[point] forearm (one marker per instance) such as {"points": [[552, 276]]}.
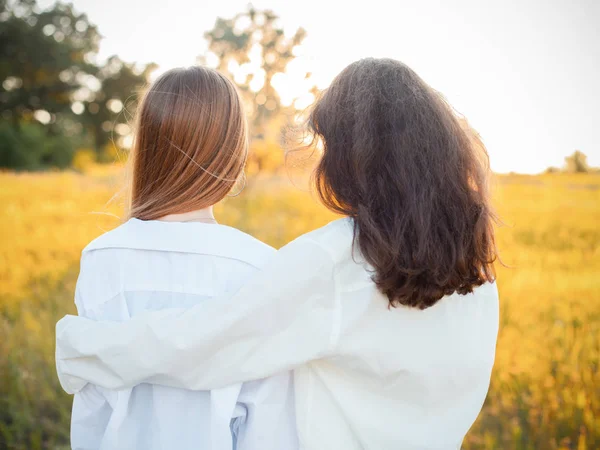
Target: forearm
{"points": [[184, 353]]}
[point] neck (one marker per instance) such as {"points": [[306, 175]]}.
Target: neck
{"points": [[198, 215]]}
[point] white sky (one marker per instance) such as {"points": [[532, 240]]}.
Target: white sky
{"points": [[526, 73]]}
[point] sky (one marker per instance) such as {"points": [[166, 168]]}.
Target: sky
{"points": [[525, 73]]}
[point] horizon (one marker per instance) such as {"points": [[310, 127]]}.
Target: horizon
{"points": [[500, 71]]}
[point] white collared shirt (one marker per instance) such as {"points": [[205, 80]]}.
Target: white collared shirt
{"points": [[148, 266], [366, 376]]}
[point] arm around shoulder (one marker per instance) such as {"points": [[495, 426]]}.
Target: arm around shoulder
{"points": [[284, 317]]}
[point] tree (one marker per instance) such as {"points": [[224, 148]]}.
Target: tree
{"points": [[52, 89], [252, 49], [107, 111], [44, 58], [577, 163]]}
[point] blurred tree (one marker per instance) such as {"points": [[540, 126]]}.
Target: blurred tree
{"points": [[577, 163], [48, 76], [31, 146], [252, 49], [108, 111], [45, 57]]}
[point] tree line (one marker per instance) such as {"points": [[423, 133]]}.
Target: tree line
{"points": [[574, 163], [56, 98]]}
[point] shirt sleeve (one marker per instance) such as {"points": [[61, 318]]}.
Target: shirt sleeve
{"points": [[287, 315], [268, 421], [91, 410]]}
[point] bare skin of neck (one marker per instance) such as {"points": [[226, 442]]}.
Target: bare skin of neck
{"points": [[200, 215]]}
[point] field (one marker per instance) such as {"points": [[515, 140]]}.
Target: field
{"points": [[545, 391]]}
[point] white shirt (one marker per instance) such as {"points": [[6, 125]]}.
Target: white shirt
{"points": [[366, 376], [148, 266]]}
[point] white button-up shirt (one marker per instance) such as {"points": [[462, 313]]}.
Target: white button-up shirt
{"points": [[149, 266], [366, 376]]}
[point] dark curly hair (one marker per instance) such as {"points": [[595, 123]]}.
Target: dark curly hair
{"points": [[397, 159]]}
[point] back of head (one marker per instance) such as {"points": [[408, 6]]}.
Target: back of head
{"points": [[397, 160], [190, 143]]}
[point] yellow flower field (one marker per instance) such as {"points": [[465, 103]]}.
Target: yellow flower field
{"points": [[545, 391]]}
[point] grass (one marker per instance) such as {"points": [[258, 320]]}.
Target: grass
{"points": [[545, 391]]}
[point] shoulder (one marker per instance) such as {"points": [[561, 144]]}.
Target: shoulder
{"points": [[335, 238], [319, 250], [249, 248], [488, 294], [104, 240], [103, 260]]}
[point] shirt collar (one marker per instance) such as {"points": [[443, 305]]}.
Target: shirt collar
{"points": [[185, 237]]}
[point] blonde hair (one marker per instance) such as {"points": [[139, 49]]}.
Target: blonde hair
{"points": [[190, 145]]}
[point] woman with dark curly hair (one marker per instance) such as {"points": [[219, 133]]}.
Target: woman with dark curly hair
{"points": [[388, 316]]}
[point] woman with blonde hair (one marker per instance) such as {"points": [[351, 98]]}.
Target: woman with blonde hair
{"points": [[190, 148], [388, 316]]}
